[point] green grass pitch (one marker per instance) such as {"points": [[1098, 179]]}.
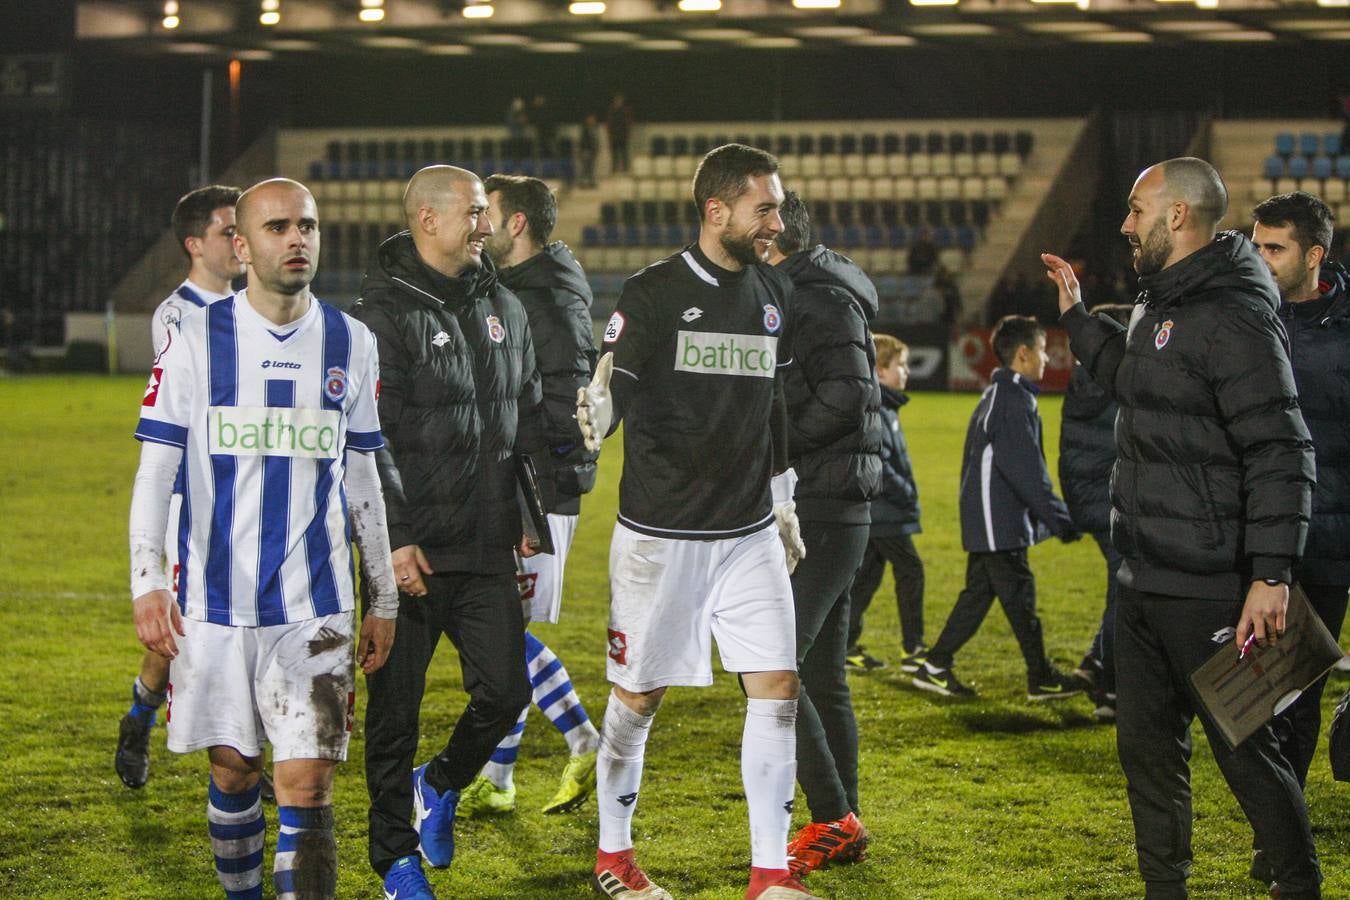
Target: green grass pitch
{"points": [[993, 798]]}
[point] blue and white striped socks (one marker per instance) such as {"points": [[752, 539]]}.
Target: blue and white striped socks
{"points": [[306, 861], [237, 829]]}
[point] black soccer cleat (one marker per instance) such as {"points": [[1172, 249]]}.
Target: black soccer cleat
{"points": [[133, 751], [940, 681], [1055, 685]]}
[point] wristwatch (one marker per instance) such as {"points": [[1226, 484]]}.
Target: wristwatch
{"points": [[1273, 582]]}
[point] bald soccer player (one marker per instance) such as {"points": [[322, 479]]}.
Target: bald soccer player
{"points": [[460, 397]]}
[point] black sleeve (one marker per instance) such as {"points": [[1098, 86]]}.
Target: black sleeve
{"points": [[1258, 402], [633, 334], [565, 355], [830, 378], [530, 419], [778, 428], [394, 387], [1098, 342]]}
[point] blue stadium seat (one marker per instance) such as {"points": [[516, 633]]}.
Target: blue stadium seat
{"points": [[828, 145], [316, 170], [828, 234], [890, 144], [628, 212], [897, 237], [851, 236], [942, 237], [670, 212], [1023, 141], [660, 145], [979, 142], [913, 144], [874, 237], [1343, 167], [782, 145], [870, 144], [1284, 143], [957, 142], [590, 236], [1309, 143], [806, 145], [679, 145], [1298, 167], [650, 212], [936, 142], [844, 212], [701, 145], [848, 144], [1001, 142], [1321, 167], [674, 235], [631, 236], [1331, 143], [609, 235], [966, 238], [1273, 167], [609, 214], [652, 236]]}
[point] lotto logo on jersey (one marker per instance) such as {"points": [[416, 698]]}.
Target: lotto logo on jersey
{"points": [[152, 389], [713, 353], [272, 431]]}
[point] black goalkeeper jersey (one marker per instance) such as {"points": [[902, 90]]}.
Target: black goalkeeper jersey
{"points": [[695, 355]]}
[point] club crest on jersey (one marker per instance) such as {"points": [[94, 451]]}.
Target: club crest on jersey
{"points": [[495, 329], [335, 384], [614, 328], [1164, 335], [773, 319], [618, 647]]}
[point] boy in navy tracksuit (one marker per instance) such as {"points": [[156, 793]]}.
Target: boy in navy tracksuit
{"points": [[1007, 504]]}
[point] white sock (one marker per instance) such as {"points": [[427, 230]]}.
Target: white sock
{"points": [[618, 772], [769, 772], [583, 739], [501, 766]]}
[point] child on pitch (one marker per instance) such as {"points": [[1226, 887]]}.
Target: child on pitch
{"points": [[895, 520], [1007, 505]]}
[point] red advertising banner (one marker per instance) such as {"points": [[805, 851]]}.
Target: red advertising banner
{"points": [[971, 360]]}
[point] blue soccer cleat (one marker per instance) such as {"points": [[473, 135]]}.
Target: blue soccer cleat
{"points": [[435, 820], [405, 881]]}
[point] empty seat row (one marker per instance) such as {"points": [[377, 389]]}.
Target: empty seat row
{"points": [[844, 237], [1309, 144], [1333, 191], [1319, 167], [608, 267], [346, 152], [560, 167], [930, 187], [865, 143], [649, 213], [1008, 165]]}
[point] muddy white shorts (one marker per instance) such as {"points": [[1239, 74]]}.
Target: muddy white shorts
{"points": [[290, 685], [541, 575], [670, 598]]}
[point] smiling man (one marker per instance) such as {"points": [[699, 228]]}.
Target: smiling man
{"points": [[1210, 499], [696, 554], [460, 397]]}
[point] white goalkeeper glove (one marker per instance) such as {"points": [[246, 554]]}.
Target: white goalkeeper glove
{"points": [[595, 406], [790, 533]]}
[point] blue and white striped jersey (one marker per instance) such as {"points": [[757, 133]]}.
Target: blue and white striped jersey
{"points": [[264, 415], [187, 298]]}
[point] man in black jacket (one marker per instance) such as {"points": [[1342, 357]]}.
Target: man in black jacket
{"points": [[551, 286], [1210, 503], [834, 445], [459, 398], [1293, 234]]}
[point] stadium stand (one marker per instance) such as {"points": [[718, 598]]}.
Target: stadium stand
{"points": [[1262, 158]]}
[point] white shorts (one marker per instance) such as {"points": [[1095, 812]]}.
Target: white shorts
{"points": [[291, 685], [669, 598], [541, 575]]}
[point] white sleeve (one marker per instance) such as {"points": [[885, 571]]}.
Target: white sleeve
{"points": [[150, 495], [166, 316], [365, 505]]}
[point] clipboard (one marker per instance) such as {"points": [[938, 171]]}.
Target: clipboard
{"points": [[1242, 695], [533, 516]]}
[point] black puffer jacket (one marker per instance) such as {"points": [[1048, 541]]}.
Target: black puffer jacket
{"points": [[459, 396], [1213, 479], [557, 299], [835, 427], [895, 510], [1319, 339], [1087, 451]]}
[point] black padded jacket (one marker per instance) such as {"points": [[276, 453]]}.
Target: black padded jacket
{"points": [[1087, 451], [459, 397], [835, 428], [1212, 485]]}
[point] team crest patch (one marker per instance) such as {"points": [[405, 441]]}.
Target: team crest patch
{"points": [[773, 319], [152, 389], [335, 385], [495, 329], [618, 647], [1164, 335], [614, 328]]}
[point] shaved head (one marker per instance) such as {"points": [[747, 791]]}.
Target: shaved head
{"points": [[433, 188], [271, 188], [1197, 184]]}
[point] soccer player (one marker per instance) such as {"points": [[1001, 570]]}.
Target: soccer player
{"points": [[550, 284], [267, 403], [696, 553], [459, 400], [203, 225]]}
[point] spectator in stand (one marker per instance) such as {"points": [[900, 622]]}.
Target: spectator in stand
{"points": [[619, 126], [923, 254], [545, 126], [517, 126], [1087, 451], [588, 148], [895, 520]]}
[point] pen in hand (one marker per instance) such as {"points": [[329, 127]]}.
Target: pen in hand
{"points": [[1246, 646]]}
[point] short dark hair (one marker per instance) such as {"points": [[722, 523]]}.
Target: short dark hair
{"points": [[523, 194], [1199, 185], [796, 233], [1118, 312], [192, 214], [726, 171], [1011, 332], [1312, 219]]}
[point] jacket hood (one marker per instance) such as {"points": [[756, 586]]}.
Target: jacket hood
{"points": [[1337, 280], [822, 266], [397, 265], [1229, 262], [554, 268]]}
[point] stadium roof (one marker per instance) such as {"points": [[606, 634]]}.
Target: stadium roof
{"points": [[235, 28]]}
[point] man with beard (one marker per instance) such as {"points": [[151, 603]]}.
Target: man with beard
{"points": [[697, 554], [459, 399], [1211, 495], [265, 402], [557, 298], [834, 442], [1293, 234]]}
